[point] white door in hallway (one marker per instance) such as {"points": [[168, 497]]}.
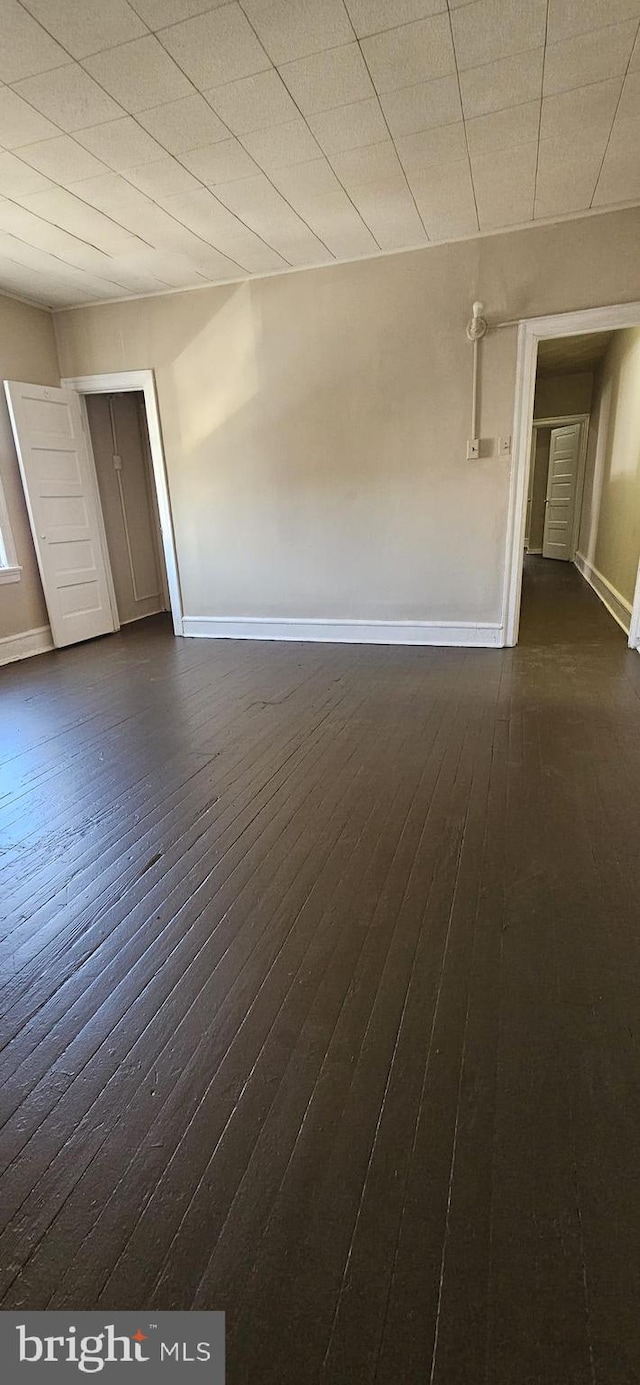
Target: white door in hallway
{"points": [[61, 492], [562, 493]]}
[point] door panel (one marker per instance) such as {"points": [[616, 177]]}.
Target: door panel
{"points": [[64, 510], [562, 487], [116, 423]]}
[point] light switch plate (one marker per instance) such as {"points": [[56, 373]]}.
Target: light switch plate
{"points": [[504, 447], [473, 448]]}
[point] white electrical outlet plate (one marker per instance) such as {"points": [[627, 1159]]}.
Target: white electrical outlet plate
{"points": [[504, 447], [473, 448]]}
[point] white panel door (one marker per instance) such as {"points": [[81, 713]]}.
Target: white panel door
{"points": [[562, 492], [60, 487]]}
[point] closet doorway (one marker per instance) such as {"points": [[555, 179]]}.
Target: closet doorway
{"points": [[120, 442]]}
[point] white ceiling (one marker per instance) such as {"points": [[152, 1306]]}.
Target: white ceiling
{"points": [[561, 355], [154, 144]]}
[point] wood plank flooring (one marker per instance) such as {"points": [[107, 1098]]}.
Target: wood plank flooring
{"points": [[321, 997]]}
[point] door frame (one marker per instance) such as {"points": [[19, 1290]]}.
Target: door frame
{"points": [[530, 332], [634, 624], [143, 381], [560, 422]]}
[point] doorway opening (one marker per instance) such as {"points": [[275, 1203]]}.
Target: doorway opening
{"points": [[142, 384], [575, 493], [556, 481], [121, 452]]}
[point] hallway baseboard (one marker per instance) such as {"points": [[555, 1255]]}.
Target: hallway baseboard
{"points": [[616, 604], [22, 646]]}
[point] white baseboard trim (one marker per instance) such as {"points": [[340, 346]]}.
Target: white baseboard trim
{"points": [[533, 551], [22, 646], [617, 605], [481, 635]]}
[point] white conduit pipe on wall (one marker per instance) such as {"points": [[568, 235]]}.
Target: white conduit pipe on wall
{"points": [[474, 393], [476, 330]]}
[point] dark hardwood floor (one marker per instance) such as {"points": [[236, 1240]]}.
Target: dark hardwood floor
{"points": [[321, 997]]}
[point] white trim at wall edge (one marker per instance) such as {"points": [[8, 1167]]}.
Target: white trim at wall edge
{"points": [[465, 634], [616, 604], [22, 646], [634, 628]]}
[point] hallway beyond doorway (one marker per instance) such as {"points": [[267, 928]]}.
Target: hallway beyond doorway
{"points": [[559, 607]]}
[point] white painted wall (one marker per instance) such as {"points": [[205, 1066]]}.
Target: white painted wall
{"points": [[610, 523], [562, 394], [315, 423]]}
